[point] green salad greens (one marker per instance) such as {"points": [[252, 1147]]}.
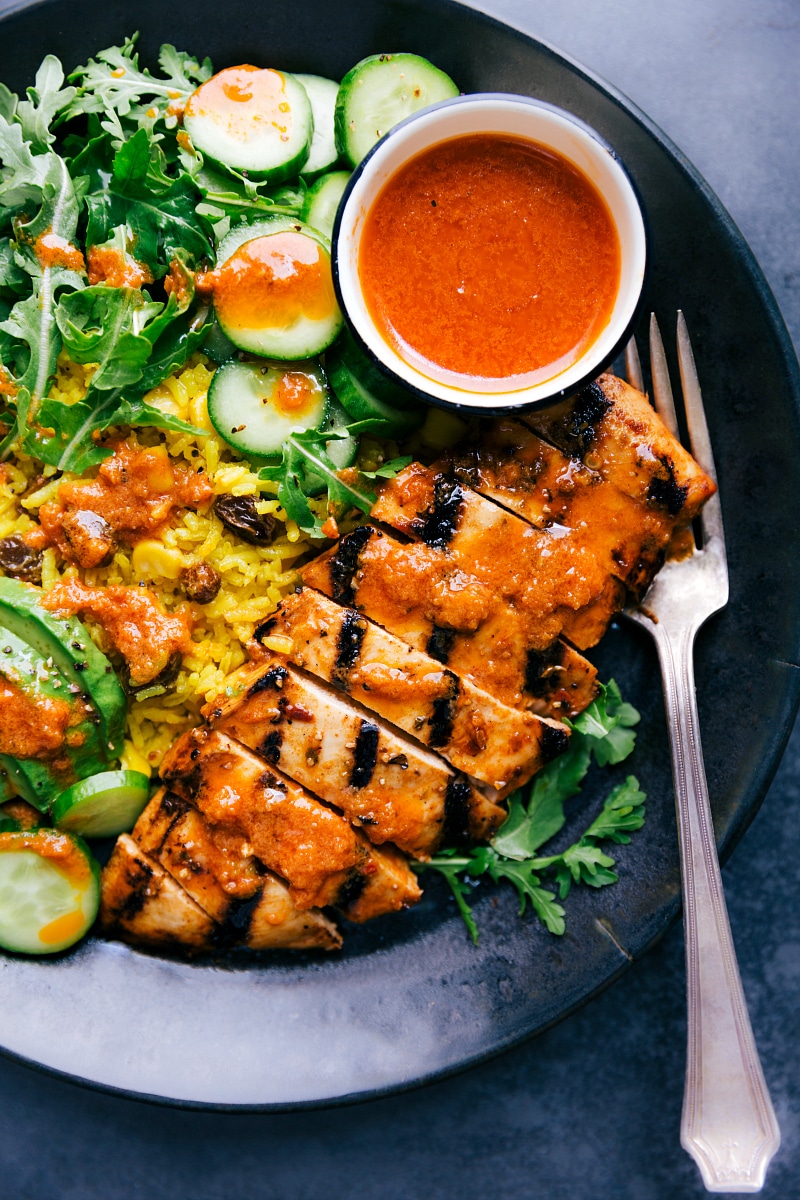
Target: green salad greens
{"points": [[93, 164], [98, 164], [603, 733]]}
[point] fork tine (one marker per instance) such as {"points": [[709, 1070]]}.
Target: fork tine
{"points": [[662, 388], [692, 398], [711, 514], [633, 365]]}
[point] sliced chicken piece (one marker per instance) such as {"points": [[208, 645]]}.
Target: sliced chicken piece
{"points": [[251, 906], [386, 784], [322, 858], [479, 735], [428, 599], [613, 430], [141, 903], [514, 467], [550, 576]]}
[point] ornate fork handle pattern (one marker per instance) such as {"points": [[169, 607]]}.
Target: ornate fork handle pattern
{"points": [[728, 1124]]}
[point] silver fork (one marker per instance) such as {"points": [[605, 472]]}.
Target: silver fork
{"points": [[728, 1123]]}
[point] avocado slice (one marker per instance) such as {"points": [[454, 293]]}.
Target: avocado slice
{"points": [[67, 642], [39, 781]]}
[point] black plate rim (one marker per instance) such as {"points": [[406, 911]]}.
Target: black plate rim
{"points": [[760, 780]]}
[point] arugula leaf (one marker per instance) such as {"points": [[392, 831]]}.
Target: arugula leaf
{"points": [[530, 824], [233, 195], [31, 321], [160, 217], [584, 861], [486, 860], [23, 173], [12, 277], [623, 812], [46, 99], [8, 103], [588, 864], [135, 411], [57, 221], [113, 85], [608, 723], [108, 326], [305, 455], [64, 435], [28, 323], [529, 827], [388, 470], [175, 346], [451, 865], [177, 65]]}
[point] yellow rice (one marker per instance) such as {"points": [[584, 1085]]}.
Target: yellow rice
{"points": [[253, 578]]}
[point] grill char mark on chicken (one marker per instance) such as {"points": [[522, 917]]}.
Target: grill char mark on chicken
{"points": [[303, 841], [142, 903], [344, 563], [365, 754], [627, 442], [550, 577], [478, 734], [248, 904], [437, 525], [404, 799], [430, 600]]}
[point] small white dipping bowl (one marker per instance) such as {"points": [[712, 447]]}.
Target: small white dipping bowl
{"points": [[518, 117]]}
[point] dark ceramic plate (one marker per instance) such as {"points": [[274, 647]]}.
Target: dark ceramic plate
{"points": [[410, 998]]}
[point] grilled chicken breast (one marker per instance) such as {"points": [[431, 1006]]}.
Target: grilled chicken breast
{"points": [[322, 858], [612, 429], [250, 905], [385, 783], [459, 639], [514, 467], [496, 744], [550, 576], [426, 597], [142, 903]]}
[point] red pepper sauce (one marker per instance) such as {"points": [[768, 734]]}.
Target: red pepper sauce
{"points": [[491, 257], [135, 492], [133, 618]]}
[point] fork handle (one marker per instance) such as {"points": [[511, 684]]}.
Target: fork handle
{"points": [[728, 1123]]}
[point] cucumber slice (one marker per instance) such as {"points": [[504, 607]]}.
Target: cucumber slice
{"points": [[381, 91], [49, 891], [273, 292], [253, 121], [323, 153], [363, 391], [254, 406], [322, 201], [245, 232], [217, 347], [341, 451], [104, 805], [67, 642]]}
